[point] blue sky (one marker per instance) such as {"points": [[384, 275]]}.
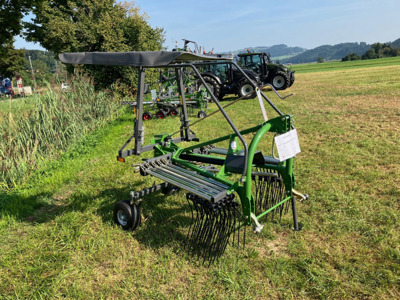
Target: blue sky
{"points": [[228, 25]]}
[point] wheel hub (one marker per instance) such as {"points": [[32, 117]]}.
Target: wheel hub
{"points": [[122, 218], [278, 81]]}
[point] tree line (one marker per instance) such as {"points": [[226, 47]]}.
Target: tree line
{"points": [[377, 50], [78, 26]]}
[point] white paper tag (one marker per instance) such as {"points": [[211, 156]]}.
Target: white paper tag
{"points": [[287, 144]]}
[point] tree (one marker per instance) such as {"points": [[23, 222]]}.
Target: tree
{"points": [[11, 14], [351, 56], [94, 25], [320, 59], [370, 54], [12, 61]]}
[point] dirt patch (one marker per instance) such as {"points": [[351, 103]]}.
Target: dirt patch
{"points": [[276, 247], [62, 195]]}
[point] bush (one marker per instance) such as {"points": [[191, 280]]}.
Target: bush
{"points": [[351, 56]]}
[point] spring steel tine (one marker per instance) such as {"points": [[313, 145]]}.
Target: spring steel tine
{"points": [[213, 227], [219, 227], [228, 227], [217, 249], [220, 245], [196, 222], [189, 200], [208, 226], [261, 192], [204, 229], [199, 221]]}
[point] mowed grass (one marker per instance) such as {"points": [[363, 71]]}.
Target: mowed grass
{"points": [[342, 65], [58, 240]]}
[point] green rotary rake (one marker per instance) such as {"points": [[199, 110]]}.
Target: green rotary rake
{"points": [[227, 188]]}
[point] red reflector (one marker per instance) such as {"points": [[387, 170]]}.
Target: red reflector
{"points": [[120, 159]]}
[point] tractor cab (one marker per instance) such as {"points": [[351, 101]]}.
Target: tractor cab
{"points": [[255, 62], [276, 74]]}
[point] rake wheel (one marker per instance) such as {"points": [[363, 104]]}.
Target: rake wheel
{"points": [[269, 191], [213, 226]]}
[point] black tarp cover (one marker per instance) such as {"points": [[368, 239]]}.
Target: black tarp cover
{"points": [[138, 58]]}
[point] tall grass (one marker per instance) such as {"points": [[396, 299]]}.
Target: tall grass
{"points": [[56, 120]]}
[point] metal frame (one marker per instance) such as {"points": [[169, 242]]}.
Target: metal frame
{"points": [[211, 192], [280, 125]]}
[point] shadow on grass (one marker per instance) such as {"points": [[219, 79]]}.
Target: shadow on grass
{"points": [[163, 217], [31, 209]]}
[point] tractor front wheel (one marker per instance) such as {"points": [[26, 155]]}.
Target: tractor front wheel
{"points": [[280, 80], [246, 90]]}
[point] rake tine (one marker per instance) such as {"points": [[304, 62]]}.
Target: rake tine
{"points": [[226, 231], [213, 238], [220, 242], [198, 223], [201, 226], [189, 200], [212, 227]]}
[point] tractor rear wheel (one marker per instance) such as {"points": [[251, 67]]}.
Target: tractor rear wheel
{"points": [[246, 90], [291, 79], [213, 85], [280, 80]]}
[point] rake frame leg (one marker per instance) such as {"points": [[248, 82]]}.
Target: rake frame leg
{"points": [[296, 226]]}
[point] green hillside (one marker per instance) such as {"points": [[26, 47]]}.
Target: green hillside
{"points": [[343, 65]]}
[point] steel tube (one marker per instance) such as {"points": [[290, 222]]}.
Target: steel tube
{"points": [[181, 185], [223, 186], [194, 181]]}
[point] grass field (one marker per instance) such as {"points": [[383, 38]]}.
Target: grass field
{"points": [[339, 65], [58, 240]]}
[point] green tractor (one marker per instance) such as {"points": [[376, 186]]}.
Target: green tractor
{"points": [[278, 75]]}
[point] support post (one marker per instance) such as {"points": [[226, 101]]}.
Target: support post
{"points": [[184, 117], [139, 129], [296, 226]]}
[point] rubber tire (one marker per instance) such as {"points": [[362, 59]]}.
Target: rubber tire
{"points": [[291, 79], [201, 114], [161, 114], [216, 88], [173, 112], [280, 80], [147, 116], [244, 88], [131, 213]]}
